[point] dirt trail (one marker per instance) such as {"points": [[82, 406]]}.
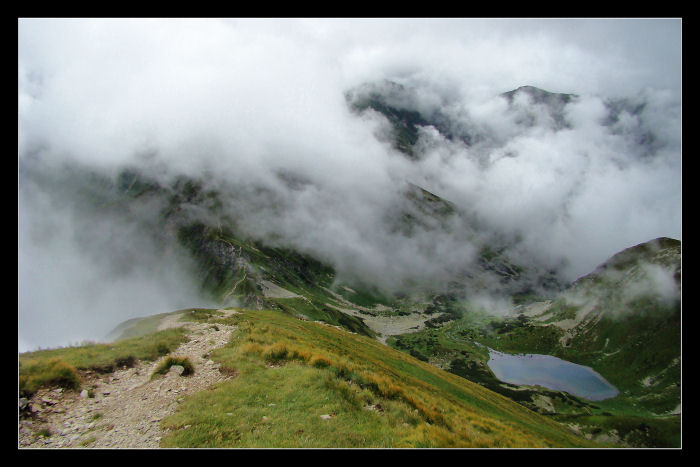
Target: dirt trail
{"points": [[128, 407]]}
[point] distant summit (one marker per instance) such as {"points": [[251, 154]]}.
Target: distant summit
{"points": [[406, 113], [553, 102], [402, 106], [540, 96]]}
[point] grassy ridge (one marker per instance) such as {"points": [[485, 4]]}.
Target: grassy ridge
{"points": [[290, 372]]}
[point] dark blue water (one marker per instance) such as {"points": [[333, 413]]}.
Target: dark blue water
{"points": [[552, 373]]}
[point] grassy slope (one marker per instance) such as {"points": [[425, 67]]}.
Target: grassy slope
{"points": [[293, 371]]}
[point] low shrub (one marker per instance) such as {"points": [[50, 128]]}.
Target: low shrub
{"points": [[319, 361], [276, 352]]}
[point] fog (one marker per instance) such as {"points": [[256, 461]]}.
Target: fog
{"points": [[246, 100]]}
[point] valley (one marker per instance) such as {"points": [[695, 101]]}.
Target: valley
{"points": [[389, 361]]}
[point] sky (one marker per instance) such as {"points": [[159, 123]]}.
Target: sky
{"points": [[248, 98]]}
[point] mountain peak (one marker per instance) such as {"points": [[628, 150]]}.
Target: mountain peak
{"points": [[540, 96]]}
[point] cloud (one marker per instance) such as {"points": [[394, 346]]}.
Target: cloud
{"points": [[254, 100], [83, 270]]}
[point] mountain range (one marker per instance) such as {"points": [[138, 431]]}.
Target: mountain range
{"points": [[623, 319]]}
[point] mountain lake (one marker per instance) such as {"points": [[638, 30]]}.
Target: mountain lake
{"points": [[552, 373]]}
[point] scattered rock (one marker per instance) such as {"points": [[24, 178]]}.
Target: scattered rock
{"points": [[326, 417], [179, 369], [375, 407], [543, 403], [84, 394]]}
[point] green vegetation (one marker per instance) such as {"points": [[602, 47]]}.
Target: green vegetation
{"points": [[59, 367], [88, 441], [290, 372], [138, 326], [623, 348], [165, 365], [661, 432], [222, 276], [404, 122], [319, 312], [367, 296], [646, 251], [200, 315]]}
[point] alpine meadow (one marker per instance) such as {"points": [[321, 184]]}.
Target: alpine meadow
{"points": [[349, 233]]}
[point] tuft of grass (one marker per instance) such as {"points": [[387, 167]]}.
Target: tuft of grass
{"points": [[87, 442], [319, 361], [276, 352], [35, 374], [170, 361]]}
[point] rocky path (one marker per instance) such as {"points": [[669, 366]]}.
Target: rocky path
{"points": [[127, 406]]}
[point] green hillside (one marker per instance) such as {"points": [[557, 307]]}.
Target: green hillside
{"points": [[623, 320]]}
